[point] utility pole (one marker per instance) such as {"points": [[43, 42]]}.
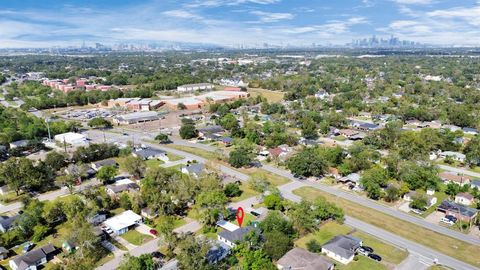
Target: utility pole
{"points": [[64, 144], [47, 120]]}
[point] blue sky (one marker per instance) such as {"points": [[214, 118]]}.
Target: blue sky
{"points": [[46, 23]]}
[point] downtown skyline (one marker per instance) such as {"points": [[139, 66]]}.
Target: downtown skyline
{"points": [[30, 24]]}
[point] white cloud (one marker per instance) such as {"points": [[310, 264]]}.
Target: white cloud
{"points": [[219, 3], [268, 17], [182, 14], [468, 15], [413, 2]]}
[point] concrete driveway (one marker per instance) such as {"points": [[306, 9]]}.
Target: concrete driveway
{"points": [[144, 229]]}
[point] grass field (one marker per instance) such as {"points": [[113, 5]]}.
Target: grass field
{"points": [[326, 232], [388, 252], [136, 238], [442, 243], [247, 192], [153, 163], [363, 263], [271, 96], [195, 151]]}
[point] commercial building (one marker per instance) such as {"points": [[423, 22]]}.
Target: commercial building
{"points": [[75, 139], [121, 223], [195, 87], [134, 118]]}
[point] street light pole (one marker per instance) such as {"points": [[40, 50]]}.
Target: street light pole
{"points": [[47, 120]]}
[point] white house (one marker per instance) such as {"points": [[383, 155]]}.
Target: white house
{"points": [[75, 139], [150, 153], [121, 223], [342, 248], [230, 238], [464, 198], [454, 155]]}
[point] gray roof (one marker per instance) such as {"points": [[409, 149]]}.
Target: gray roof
{"points": [[121, 188], [195, 168], [475, 183], [6, 222], [343, 245], [236, 236], [217, 252], [32, 257], [458, 208], [106, 162], [138, 116], [301, 259], [149, 152], [211, 129]]}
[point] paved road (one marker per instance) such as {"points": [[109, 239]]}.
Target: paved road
{"points": [[49, 196], [459, 170], [413, 262], [360, 200], [287, 189]]}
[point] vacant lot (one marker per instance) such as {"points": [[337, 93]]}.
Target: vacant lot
{"points": [[136, 238], [271, 96], [444, 244], [324, 234]]}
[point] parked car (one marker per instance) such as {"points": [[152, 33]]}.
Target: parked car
{"points": [[447, 221], [375, 257], [452, 218], [417, 211], [363, 251], [369, 249]]}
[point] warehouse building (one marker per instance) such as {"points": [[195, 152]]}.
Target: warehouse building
{"points": [[195, 87], [136, 117], [75, 139]]}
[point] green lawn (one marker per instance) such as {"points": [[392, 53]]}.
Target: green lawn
{"points": [[248, 218], [440, 197], [340, 138], [153, 163], [438, 267], [271, 96], [274, 179], [326, 232], [247, 192], [388, 252], [442, 243], [117, 211], [173, 157], [136, 238], [363, 263], [195, 151]]}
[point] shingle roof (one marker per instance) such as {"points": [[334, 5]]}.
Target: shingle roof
{"points": [[30, 258], [343, 245], [195, 168], [149, 152], [6, 222], [301, 259], [457, 208], [237, 235]]}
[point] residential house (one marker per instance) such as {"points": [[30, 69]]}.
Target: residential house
{"points": [[194, 169], [227, 141], [410, 196], [69, 246], [475, 184], [6, 223], [230, 238], [453, 155], [218, 130], [301, 259], [464, 198], [107, 162], [20, 143], [364, 126], [450, 177], [452, 128], [322, 94], [342, 248], [218, 252], [333, 172], [461, 212], [97, 219], [353, 179], [348, 133], [3, 253], [150, 153], [124, 185], [121, 223], [33, 259], [470, 131], [148, 212]]}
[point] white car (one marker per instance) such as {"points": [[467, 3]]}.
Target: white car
{"points": [[447, 221]]}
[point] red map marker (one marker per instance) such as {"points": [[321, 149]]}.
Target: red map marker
{"points": [[240, 215]]}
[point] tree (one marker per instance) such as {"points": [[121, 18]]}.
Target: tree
{"points": [[143, 262], [452, 189], [68, 181], [188, 131], [107, 173], [232, 190], [125, 201], [181, 106], [392, 193], [56, 160], [372, 179], [229, 122], [240, 157], [162, 138], [275, 221], [307, 163], [135, 166], [309, 128], [192, 253], [255, 260], [273, 201], [472, 151], [165, 227], [210, 205], [277, 244], [419, 201], [20, 172], [314, 246], [419, 176], [99, 122]]}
